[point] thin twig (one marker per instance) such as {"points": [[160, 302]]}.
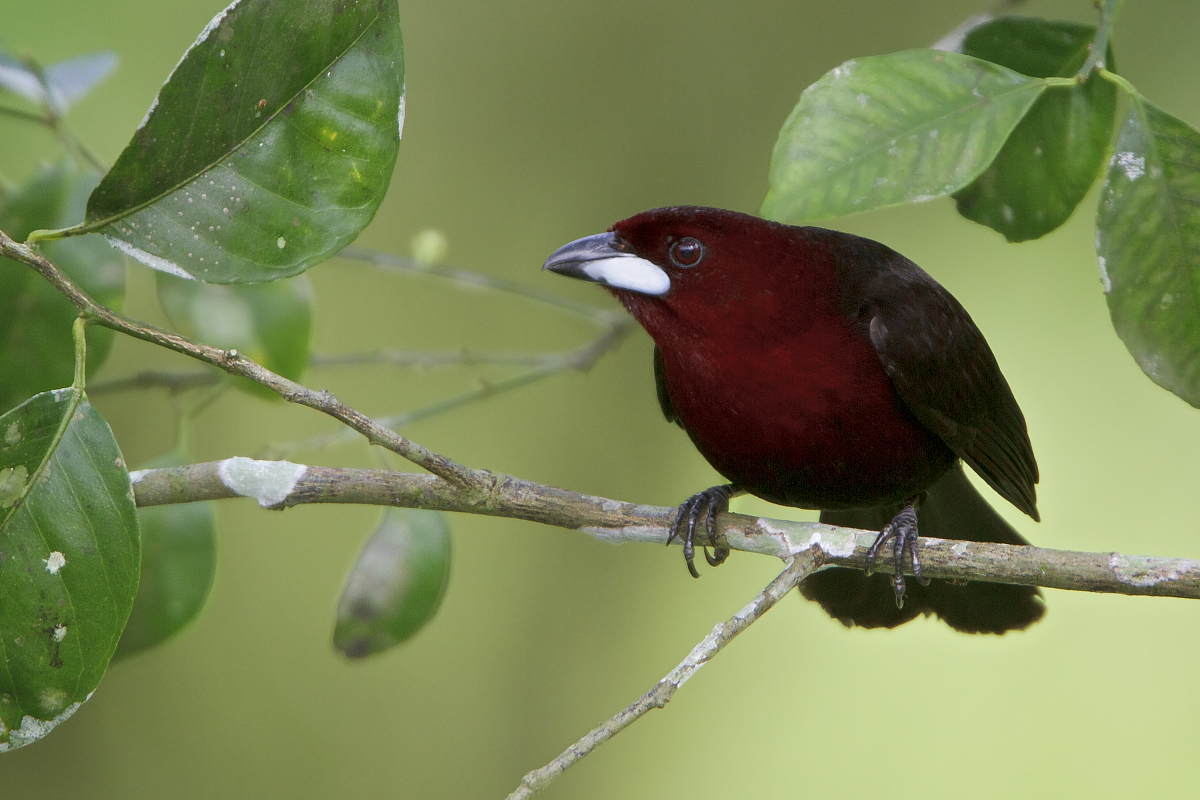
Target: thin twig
{"points": [[1109, 9], [235, 363], [24, 116], [722, 634], [424, 359], [173, 382], [393, 263], [581, 359]]}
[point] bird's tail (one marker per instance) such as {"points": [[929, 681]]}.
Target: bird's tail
{"points": [[952, 509]]}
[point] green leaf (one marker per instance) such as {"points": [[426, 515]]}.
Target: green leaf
{"points": [[69, 557], [179, 561], [1054, 155], [1148, 242], [891, 129], [397, 583], [67, 81], [270, 146], [36, 349], [268, 322]]}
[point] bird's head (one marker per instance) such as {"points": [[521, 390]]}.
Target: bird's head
{"points": [[703, 268]]}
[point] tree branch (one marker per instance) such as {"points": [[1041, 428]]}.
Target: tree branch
{"points": [[803, 565], [280, 484], [235, 363]]}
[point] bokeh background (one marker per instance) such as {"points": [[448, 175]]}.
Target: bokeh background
{"points": [[531, 123]]}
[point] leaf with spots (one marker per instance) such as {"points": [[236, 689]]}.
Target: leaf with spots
{"points": [[892, 129], [36, 349], [268, 149], [269, 322], [69, 560], [1148, 242], [179, 561], [396, 585], [1055, 154]]}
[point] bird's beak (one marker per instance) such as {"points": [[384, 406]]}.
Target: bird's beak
{"points": [[598, 258]]}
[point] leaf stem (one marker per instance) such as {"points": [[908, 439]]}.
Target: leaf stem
{"points": [[51, 235], [79, 332], [1095, 60], [1113, 77]]}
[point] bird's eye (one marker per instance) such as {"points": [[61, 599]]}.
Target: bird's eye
{"points": [[687, 252]]}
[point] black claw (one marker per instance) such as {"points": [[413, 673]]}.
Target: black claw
{"points": [[710, 503], [902, 530], [916, 564]]}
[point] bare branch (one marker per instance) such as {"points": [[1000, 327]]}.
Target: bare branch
{"points": [[235, 363], [803, 565], [615, 521]]}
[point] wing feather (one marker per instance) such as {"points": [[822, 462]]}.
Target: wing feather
{"points": [[940, 365]]}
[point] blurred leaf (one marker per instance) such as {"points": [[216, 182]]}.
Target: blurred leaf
{"points": [[69, 558], [1148, 242], [179, 561], [36, 349], [397, 583], [899, 128], [67, 80], [1054, 155], [270, 146], [268, 322]]}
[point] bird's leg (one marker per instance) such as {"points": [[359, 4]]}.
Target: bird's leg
{"points": [[708, 503], [902, 530]]}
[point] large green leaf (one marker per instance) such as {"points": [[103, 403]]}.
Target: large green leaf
{"points": [[1054, 155], [891, 129], [1148, 242], [269, 322], [69, 558], [270, 146], [397, 583], [36, 350], [179, 561]]}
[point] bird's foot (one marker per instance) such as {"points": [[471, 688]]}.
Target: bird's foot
{"points": [[902, 530], [706, 504]]}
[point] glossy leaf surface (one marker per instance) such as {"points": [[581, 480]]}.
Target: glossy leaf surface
{"points": [[270, 146], [179, 562], [269, 322], [397, 583], [36, 350], [891, 129], [69, 557], [1056, 152], [1148, 242]]}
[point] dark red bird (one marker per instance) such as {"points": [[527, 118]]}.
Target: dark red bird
{"points": [[819, 369]]}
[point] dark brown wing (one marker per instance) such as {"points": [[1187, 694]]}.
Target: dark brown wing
{"points": [[940, 365], [660, 386]]}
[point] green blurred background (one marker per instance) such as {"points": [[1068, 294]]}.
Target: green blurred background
{"points": [[531, 123]]}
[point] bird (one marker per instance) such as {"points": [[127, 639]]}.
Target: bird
{"points": [[822, 370]]}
